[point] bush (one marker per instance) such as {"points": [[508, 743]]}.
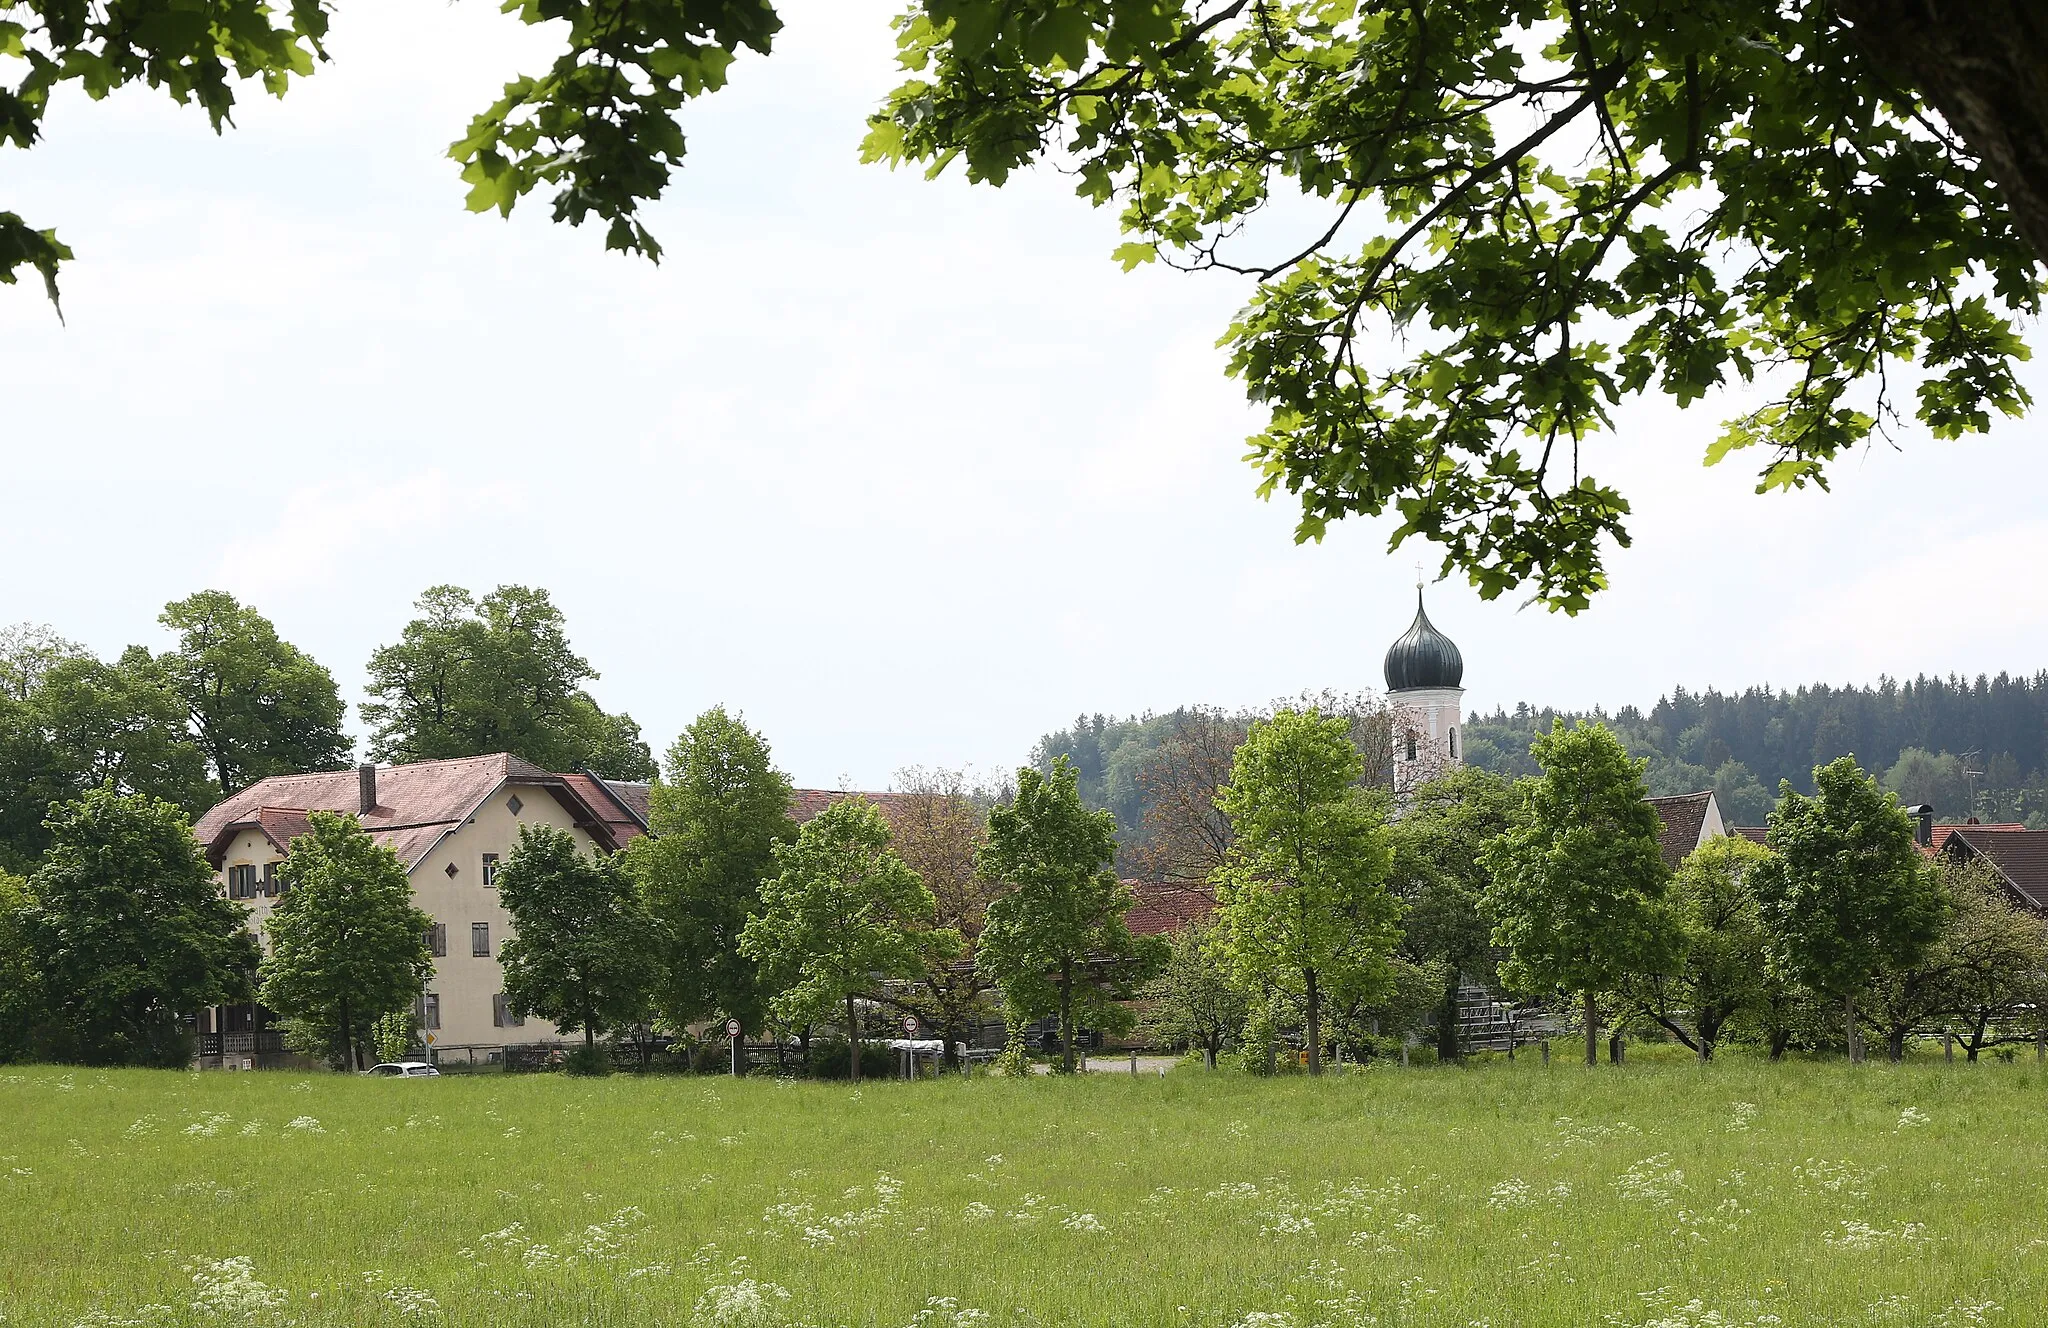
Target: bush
{"points": [[587, 1061], [833, 1060]]}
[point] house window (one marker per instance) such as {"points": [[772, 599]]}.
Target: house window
{"points": [[501, 1013], [480, 939], [514, 805], [491, 869], [242, 882], [430, 1010], [437, 940], [1411, 744], [1454, 744], [271, 887]]}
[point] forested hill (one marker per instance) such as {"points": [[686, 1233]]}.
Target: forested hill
{"points": [[1970, 747]]}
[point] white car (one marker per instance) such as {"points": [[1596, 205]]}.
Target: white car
{"points": [[403, 1070]]}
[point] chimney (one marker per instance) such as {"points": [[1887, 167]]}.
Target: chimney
{"points": [[366, 787], [1923, 824]]}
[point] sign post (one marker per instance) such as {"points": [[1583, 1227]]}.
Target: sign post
{"points": [[732, 1030], [910, 1053]]}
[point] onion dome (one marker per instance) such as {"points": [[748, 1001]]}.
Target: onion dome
{"points": [[1423, 657]]}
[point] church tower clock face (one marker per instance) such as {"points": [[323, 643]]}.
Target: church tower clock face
{"points": [[1425, 690]]}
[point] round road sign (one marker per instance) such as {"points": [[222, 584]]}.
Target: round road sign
{"points": [[732, 1028], [910, 1025]]}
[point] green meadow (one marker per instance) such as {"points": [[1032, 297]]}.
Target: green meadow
{"points": [[1514, 1196]]}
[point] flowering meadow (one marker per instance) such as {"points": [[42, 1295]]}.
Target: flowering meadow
{"points": [[1513, 1196]]}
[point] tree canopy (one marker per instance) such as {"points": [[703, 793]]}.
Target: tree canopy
{"points": [[1845, 893], [130, 932], [257, 704], [717, 816], [585, 955], [843, 914], [1056, 941], [497, 674], [1301, 900], [1519, 212], [347, 944], [1577, 888]]}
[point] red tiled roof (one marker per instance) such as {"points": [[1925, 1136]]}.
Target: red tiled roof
{"points": [[1679, 821], [416, 804], [604, 798], [636, 797], [1942, 832], [1163, 906], [2020, 855], [1753, 833], [806, 803]]}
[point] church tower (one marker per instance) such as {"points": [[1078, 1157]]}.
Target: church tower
{"points": [[1425, 674]]}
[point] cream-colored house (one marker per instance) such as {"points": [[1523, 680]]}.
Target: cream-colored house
{"points": [[451, 823]]}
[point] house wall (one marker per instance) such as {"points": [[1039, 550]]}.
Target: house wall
{"points": [[465, 983]]}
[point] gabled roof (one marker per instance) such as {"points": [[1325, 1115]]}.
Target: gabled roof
{"points": [[416, 804], [1680, 820], [807, 803], [1753, 833], [2019, 855], [1164, 906]]}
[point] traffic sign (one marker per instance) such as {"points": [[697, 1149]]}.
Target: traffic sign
{"points": [[732, 1028], [430, 1039], [910, 1025]]}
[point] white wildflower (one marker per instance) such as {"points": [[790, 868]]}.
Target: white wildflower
{"points": [[305, 1125], [1913, 1117], [946, 1312], [1083, 1222], [229, 1288], [208, 1125], [1744, 1117], [1511, 1193], [744, 1303], [977, 1211]]}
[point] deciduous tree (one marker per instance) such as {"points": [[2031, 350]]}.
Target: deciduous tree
{"points": [[1577, 895], [1718, 968], [129, 932], [1554, 207], [843, 914], [716, 819], [1438, 875], [471, 676], [1302, 901], [347, 944], [20, 983], [258, 705], [938, 829], [1845, 894], [585, 953], [1056, 939], [1193, 1002]]}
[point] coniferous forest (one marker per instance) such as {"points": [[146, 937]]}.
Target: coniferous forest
{"points": [[1969, 747]]}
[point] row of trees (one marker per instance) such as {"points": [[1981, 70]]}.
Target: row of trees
{"points": [[231, 702], [1554, 887], [1334, 922]]}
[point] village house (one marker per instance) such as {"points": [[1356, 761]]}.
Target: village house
{"points": [[451, 823]]}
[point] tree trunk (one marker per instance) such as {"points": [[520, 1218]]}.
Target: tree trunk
{"points": [[1315, 1022], [348, 1038], [1614, 1048], [1447, 1021], [1983, 64], [852, 1040], [1066, 1016], [1895, 1044], [1209, 1056], [1592, 1030], [1855, 1033]]}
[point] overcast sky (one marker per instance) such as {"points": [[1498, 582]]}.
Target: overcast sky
{"points": [[909, 472]]}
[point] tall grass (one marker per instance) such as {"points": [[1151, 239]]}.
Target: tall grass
{"points": [[1515, 1196]]}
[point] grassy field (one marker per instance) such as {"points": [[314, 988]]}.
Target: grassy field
{"points": [[1509, 1196]]}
